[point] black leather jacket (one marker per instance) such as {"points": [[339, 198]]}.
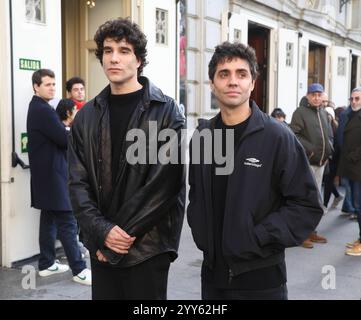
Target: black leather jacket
{"points": [[147, 200]]}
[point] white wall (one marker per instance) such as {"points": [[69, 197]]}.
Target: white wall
{"points": [[162, 58], [287, 74], [340, 84], [37, 42]]}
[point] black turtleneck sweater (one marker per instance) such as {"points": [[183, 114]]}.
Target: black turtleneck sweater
{"points": [[121, 108]]}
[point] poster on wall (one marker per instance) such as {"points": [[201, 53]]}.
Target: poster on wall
{"points": [[35, 11]]}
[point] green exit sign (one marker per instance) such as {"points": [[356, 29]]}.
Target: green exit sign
{"points": [[24, 143], [28, 64]]}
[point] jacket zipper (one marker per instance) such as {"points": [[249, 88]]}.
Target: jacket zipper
{"points": [[323, 137], [230, 276]]}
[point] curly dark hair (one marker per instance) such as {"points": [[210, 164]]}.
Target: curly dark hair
{"points": [[63, 107], [227, 51], [122, 29], [75, 80]]}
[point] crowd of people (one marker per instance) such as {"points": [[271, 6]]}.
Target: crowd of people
{"points": [[330, 137], [131, 214]]}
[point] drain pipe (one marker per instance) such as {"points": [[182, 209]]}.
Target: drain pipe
{"points": [[15, 160]]}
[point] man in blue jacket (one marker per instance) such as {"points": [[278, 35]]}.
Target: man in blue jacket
{"points": [[49, 182], [243, 221]]}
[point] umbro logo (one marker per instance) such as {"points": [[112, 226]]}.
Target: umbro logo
{"points": [[253, 162]]}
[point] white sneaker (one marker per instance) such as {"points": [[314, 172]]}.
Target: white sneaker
{"points": [[57, 267], [85, 254], [84, 277], [336, 201]]}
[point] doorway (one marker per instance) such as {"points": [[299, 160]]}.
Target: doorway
{"points": [[259, 39], [316, 63], [353, 81], [79, 24]]}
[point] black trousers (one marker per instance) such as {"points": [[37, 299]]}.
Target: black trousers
{"points": [[145, 281], [210, 292]]}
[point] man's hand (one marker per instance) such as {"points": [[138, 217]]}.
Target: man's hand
{"points": [[101, 257], [119, 241], [337, 181]]}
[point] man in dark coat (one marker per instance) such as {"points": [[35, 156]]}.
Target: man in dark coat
{"points": [[49, 190], [313, 129], [350, 161]]}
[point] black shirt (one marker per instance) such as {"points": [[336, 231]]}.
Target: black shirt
{"points": [[121, 108], [265, 278]]}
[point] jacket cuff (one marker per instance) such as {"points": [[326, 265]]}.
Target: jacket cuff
{"points": [[104, 233], [262, 235]]}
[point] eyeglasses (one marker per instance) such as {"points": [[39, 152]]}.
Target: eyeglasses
{"points": [[354, 98]]}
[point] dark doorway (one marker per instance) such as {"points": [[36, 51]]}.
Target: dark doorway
{"points": [[353, 71], [316, 63], [259, 38]]}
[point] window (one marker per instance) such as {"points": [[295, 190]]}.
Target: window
{"points": [[341, 66], [161, 21], [303, 58], [35, 11], [289, 54], [237, 35]]}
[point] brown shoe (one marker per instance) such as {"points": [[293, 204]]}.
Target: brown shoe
{"points": [[314, 237], [307, 244], [354, 251]]}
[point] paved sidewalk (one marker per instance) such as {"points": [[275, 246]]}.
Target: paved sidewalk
{"points": [[304, 267]]}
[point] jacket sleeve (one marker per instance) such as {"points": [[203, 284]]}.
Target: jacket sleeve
{"points": [[49, 124], [91, 220], [297, 126], [161, 189], [301, 208]]}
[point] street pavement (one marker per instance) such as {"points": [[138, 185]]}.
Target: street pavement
{"points": [[321, 273]]}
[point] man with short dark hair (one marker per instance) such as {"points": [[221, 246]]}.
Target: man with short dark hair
{"points": [[312, 127], [244, 220], [76, 91], [49, 182], [130, 213], [279, 115]]}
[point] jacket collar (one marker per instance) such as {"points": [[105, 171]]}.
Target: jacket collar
{"points": [[151, 93], [304, 103], [41, 100], [256, 120]]}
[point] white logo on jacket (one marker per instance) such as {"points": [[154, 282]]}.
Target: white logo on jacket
{"points": [[253, 162]]}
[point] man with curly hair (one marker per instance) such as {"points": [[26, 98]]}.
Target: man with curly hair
{"points": [[131, 214]]}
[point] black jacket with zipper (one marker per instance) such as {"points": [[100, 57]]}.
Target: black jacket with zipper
{"points": [[150, 205], [272, 200]]}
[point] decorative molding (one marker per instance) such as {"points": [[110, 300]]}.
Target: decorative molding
{"points": [[342, 3]]}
